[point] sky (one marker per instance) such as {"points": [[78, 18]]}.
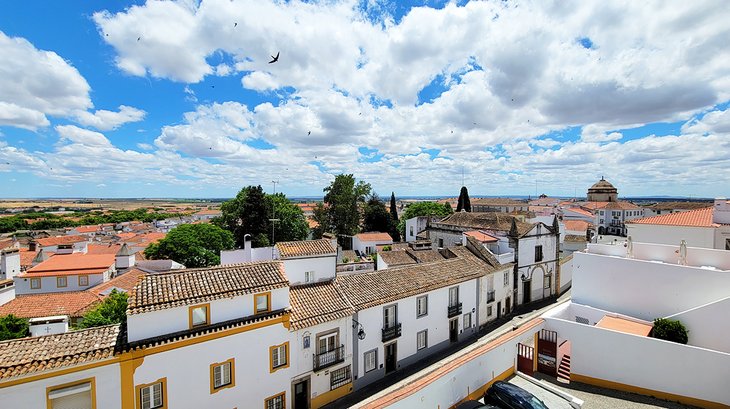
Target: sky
{"points": [[178, 98]]}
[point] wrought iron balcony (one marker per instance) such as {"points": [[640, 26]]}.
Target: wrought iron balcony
{"points": [[490, 296], [329, 358], [391, 332], [454, 310]]}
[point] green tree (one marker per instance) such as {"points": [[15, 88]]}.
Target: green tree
{"points": [[422, 209], [394, 233], [376, 216], [464, 202], [321, 216], [12, 327], [292, 224], [670, 330], [343, 198], [247, 213], [111, 311], [194, 245]]}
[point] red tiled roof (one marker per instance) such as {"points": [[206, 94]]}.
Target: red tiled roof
{"points": [[305, 248], [690, 218], [483, 237], [576, 225], [70, 264], [313, 224], [595, 205], [55, 241], [580, 211], [621, 206], [125, 282], [103, 248], [87, 229], [625, 326], [73, 304], [209, 212], [374, 236]]}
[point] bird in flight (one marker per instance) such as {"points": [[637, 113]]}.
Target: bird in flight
{"points": [[274, 59], [309, 133], [138, 38], [235, 24]]}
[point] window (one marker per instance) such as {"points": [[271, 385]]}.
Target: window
{"points": [[547, 281], [35, 283], [199, 315], [152, 395], [308, 276], [279, 357], [340, 377], [453, 296], [275, 402], [326, 343], [538, 253], [261, 303], [441, 242], [422, 339], [421, 306], [489, 310], [78, 393], [601, 212], [61, 282], [727, 244], [506, 278], [601, 221], [390, 316], [222, 375], [467, 320], [83, 280], [410, 231], [371, 360]]}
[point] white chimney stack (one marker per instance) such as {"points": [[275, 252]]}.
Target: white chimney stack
{"points": [[10, 263], [124, 258], [721, 213]]}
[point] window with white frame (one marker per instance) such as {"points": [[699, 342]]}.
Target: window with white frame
{"points": [[222, 374], [275, 402], [506, 278], [199, 315], [421, 306], [83, 280], [411, 231], [370, 360], [308, 276], [279, 356], [327, 343], [35, 283], [467, 320], [390, 316], [61, 282], [422, 339], [453, 296], [151, 396]]}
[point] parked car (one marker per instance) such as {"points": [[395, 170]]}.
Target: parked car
{"points": [[474, 404], [508, 396]]}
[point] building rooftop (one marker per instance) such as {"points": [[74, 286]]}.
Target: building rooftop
{"points": [[621, 205], [497, 201], [576, 225], [123, 282], [55, 241], [624, 325], [25, 356], [374, 236], [580, 211], [71, 264], [190, 286], [679, 205], [396, 258], [305, 248], [482, 237], [602, 184], [483, 221], [425, 256], [317, 303], [691, 218], [72, 303]]}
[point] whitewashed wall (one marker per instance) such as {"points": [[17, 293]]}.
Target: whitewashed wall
{"points": [[7, 294], [323, 267], [673, 235], [704, 326], [49, 284]]}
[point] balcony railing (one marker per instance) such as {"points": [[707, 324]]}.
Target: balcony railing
{"points": [[454, 310], [391, 332], [490, 296], [329, 358]]}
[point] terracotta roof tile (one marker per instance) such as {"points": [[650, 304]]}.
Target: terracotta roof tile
{"points": [[395, 258], [580, 211], [317, 303], [622, 205], [70, 264], [183, 287], [481, 236], [73, 304], [35, 354], [125, 282], [576, 225], [679, 205], [87, 229], [55, 241], [483, 221], [374, 236], [111, 248], [425, 256], [690, 218], [497, 201], [305, 248]]}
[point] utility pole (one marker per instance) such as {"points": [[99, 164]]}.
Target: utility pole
{"points": [[273, 219]]}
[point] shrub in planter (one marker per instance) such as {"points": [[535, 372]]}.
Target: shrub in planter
{"points": [[669, 330]]}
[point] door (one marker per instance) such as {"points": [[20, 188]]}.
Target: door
{"points": [[526, 288], [454, 330], [301, 394], [507, 305], [499, 309], [391, 353], [390, 316]]}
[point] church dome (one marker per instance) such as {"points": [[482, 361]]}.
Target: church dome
{"points": [[602, 191]]}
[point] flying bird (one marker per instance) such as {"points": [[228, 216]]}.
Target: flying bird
{"points": [[274, 59], [139, 38], [309, 133], [235, 24]]}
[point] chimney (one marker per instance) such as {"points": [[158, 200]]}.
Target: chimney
{"points": [[39, 258], [721, 212], [65, 249], [247, 250], [9, 263], [124, 258], [33, 245]]}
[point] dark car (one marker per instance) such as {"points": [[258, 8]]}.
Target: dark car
{"points": [[474, 404], [508, 396]]}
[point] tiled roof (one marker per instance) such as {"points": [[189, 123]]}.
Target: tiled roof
{"points": [[317, 303], [350, 255], [305, 248], [574, 238], [374, 236], [679, 205], [690, 218], [580, 211], [87, 229], [483, 237], [396, 258], [479, 250], [576, 225], [425, 256], [35, 354], [183, 287], [73, 304], [70, 264], [7, 243], [594, 205], [497, 201], [125, 282], [313, 224], [621, 205], [55, 241], [365, 290], [209, 212], [103, 248], [145, 239], [483, 221], [27, 257]]}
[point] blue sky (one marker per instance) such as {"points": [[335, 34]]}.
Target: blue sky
{"points": [[177, 99]]}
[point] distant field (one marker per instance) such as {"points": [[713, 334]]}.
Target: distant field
{"points": [[108, 204]]}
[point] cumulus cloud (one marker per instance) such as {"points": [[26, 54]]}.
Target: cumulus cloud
{"points": [[107, 120], [35, 83]]}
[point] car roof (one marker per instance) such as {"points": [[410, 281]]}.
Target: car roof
{"points": [[474, 404], [512, 390]]}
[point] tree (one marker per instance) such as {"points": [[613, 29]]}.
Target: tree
{"points": [[12, 327], [376, 217], [394, 218], [292, 224], [670, 330], [321, 216], [343, 198], [464, 202], [194, 245], [422, 209], [112, 310]]}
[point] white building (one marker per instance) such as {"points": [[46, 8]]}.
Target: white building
{"points": [[370, 242], [67, 272], [661, 208], [76, 244], [707, 227], [417, 225]]}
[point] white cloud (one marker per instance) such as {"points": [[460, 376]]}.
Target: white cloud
{"points": [[35, 83], [81, 136], [259, 81], [714, 121], [107, 120]]}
